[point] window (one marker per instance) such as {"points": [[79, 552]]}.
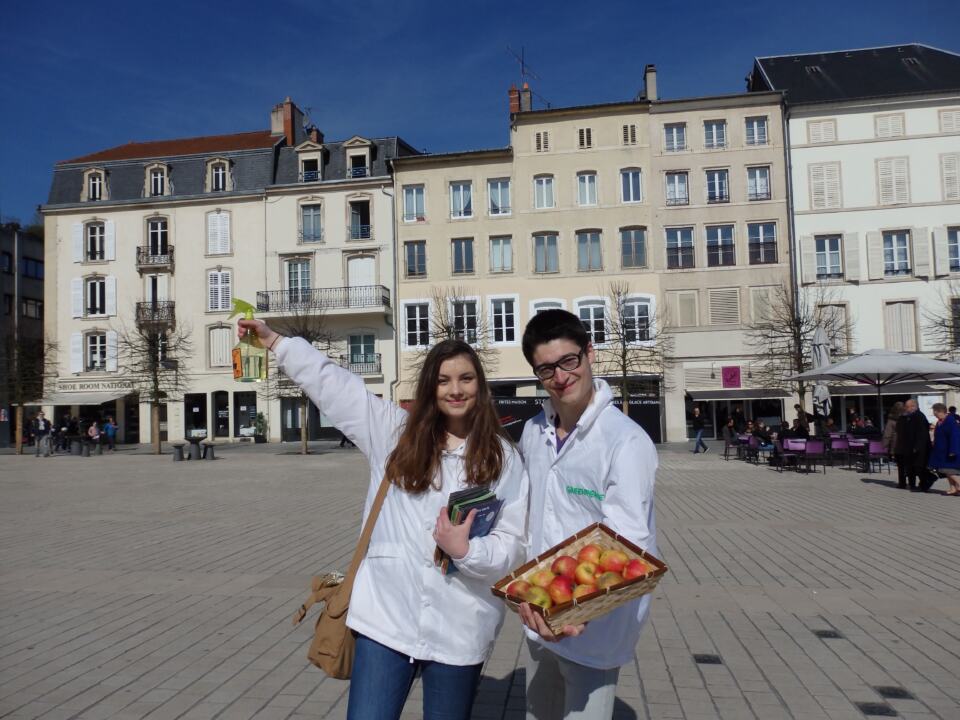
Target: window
{"points": [[415, 253], [543, 191], [362, 352], [461, 202], [630, 189], [219, 290], [158, 181], [828, 256], [504, 316], [889, 125], [218, 233], [720, 248], [361, 227], [546, 254], [95, 186], [833, 319], [821, 131], [418, 324], [953, 245], [96, 236], [715, 134], [592, 315], [501, 254], [588, 251], [538, 306], [499, 194], [900, 326], [311, 229], [310, 169], [584, 138], [949, 121], [462, 255], [542, 141], [893, 175], [636, 320], [587, 189], [31, 308], [31, 268], [96, 356], [221, 342], [413, 203], [677, 188], [756, 130], [298, 281], [218, 177], [680, 248], [684, 306], [465, 320], [718, 186], [96, 296], [675, 137], [762, 239], [825, 185], [896, 253], [633, 247], [758, 183], [950, 174], [630, 134]]}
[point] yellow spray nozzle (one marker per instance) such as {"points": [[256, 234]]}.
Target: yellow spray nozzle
{"points": [[242, 306]]}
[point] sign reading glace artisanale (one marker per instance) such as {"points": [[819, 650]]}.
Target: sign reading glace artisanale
{"points": [[93, 385]]}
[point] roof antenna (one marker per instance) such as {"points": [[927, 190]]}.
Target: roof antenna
{"points": [[526, 72]]}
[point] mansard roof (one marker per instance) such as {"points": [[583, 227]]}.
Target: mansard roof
{"points": [[206, 145]]}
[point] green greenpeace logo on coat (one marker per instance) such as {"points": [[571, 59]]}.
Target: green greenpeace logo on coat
{"points": [[583, 491]]}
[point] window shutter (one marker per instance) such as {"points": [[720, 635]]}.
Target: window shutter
{"points": [[226, 290], [760, 300], [724, 306], [831, 179], [110, 289], [889, 126], [686, 308], [111, 351], [901, 180], [875, 255], [76, 296], [920, 242], [808, 258], [851, 256], [163, 284], [885, 180], [822, 131], [941, 252], [76, 352], [218, 233], [220, 346], [213, 290], [950, 169], [77, 236], [950, 121], [110, 240]]}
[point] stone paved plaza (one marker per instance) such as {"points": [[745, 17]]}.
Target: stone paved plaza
{"points": [[133, 587]]}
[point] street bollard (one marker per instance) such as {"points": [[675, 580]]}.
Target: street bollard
{"points": [[76, 448], [177, 452], [86, 450], [208, 453], [99, 450], [194, 451]]}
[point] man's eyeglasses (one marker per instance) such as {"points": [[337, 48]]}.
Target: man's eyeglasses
{"points": [[567, 363]]}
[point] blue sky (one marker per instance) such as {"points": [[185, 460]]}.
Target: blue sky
{"points": [[79, 77]]}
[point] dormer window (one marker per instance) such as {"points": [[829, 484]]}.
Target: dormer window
{"points": [[218, 177], [310, 158], [309, 170], [358, 166], [94, 186], [157, 184], [358, 155]]}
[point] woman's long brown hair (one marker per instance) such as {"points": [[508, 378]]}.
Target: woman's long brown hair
{"points": [[415, 460]]}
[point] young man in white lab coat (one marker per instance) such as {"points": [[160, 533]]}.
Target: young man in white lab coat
{"points": [[587, 462]]}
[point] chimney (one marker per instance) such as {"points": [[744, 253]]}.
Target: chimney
{"points": [[514, 96], [315, 135], [650, 82], [287, 120], [526, 98], [276, 120]]}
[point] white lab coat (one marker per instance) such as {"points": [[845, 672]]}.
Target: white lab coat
{"points": [[399, 598], [604, 472]]}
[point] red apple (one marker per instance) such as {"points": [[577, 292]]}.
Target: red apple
{"points": [[564, 565], [542, 578], [635, 568], [517, 588], [585, 574], [561, 589], [581, 590], [590, 553], [538, 596], [613, 561], [609, 579]]}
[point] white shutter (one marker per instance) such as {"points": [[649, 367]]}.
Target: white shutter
{"points": [[808, 259], [213, 290], [163, 283], [110, 240], [920, 241], [76, 296], [685, 307], [875, 255], [885, 181], [889, 126], [76, 352], [831, 181], [111, 294], [950, 170], [77, 237], [724, 305], [226, 290], [761, 298], [218, 233], [851, 256], [111, 351], [950, 121], [821, 131], [224, 232], [941, 252], [220, 346], [901, 180]]}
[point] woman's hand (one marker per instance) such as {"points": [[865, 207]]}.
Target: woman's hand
{"points": [[535, 622], [267, 337], [454, 540]]}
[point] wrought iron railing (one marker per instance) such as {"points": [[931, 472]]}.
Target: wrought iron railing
{"points": [[148, 257], [156, 312], [356, 172], [311, 236], [334, 298], [362, 364], [360, 232], [759, 195], [310, 176], [678, 200]]}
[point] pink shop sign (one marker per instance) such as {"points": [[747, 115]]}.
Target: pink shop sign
{"points": [[730, 376]]}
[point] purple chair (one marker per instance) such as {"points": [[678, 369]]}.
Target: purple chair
{"points": [[814, 452], [875, 453], [839, 447]]}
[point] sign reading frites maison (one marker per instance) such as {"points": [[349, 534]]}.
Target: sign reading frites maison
{"points": [[93, 385]]}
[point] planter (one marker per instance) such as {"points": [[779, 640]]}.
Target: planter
{"points": [[259, 438]]}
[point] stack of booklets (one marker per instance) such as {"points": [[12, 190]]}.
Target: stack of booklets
{"points": [[459, 505]]}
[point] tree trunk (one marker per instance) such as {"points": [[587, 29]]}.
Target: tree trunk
{"points": [[303, 426], [625, 395], [155, 427], [18, 424]]}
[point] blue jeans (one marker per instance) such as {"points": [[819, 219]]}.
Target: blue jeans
{"points": [[382, 678], [698, 442]]}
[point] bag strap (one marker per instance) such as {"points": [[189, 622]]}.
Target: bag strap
{"points": [[364, 541]]}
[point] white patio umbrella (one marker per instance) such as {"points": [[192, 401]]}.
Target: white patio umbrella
{"points": [[881, 368], [821, 359]]}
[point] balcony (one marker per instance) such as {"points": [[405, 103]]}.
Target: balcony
{"points": [[761, 195], [358, 297], [358, 172], [362, 364], [678, 200], [156, 312], [310, 236], [152, 259], [310, 176], [718, 198], [360, 232]]}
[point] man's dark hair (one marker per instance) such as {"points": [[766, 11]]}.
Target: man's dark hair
{"points": [[952, 409], [552, 325]]}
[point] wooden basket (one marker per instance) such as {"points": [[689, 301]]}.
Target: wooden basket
{"points": [[588, 607]]}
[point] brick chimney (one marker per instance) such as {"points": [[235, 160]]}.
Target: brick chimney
{"points": [[286, 119], [514, 95], [313, 132], [526, 98], [650, 82]]}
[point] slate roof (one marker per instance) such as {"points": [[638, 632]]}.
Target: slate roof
{"points": [[857, 74], [207, 145]]}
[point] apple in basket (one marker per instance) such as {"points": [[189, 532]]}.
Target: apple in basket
{"points": [[538, 596], [561, 589], [542, 578], [586, 573], [613, 561], [580, 590], [635, 568], [590, 553], [609, 579], [564, 565], [517, 588]]}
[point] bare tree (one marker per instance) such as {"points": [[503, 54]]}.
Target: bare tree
{"points": [[154, 355], [781, 330], [27, 364], [941, 320], [637, 345], [455, 314]]}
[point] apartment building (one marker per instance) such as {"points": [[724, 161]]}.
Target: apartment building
{"points": [[165, 234], [874, 138]]}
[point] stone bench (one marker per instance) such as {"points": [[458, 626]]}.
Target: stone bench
{"points": [[208, 452], [177, 451]]}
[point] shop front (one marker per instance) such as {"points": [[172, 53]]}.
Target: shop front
{"points": [[742, 404]]}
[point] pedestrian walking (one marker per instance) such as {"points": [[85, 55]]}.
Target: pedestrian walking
{"points": [[110, 433], [912, 446], [41, 431], [93, 433], [945, 456], [698, 425]]}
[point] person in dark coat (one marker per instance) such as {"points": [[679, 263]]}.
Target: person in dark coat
{"points": [[912, 446], [945, 456], [739, 421], [698, 425]]}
